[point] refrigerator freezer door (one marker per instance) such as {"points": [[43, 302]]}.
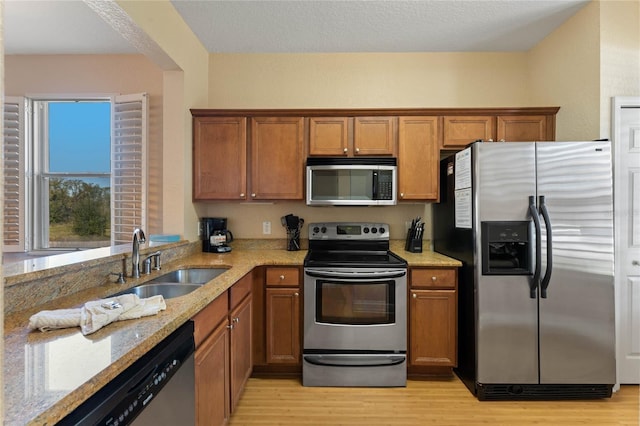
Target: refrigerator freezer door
{"points": [[507, 328], [577, 328]]}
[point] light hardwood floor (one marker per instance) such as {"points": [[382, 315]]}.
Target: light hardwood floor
{"points": [[429, 402]]}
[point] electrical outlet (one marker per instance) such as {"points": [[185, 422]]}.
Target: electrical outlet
{"points": [[266, 228]]}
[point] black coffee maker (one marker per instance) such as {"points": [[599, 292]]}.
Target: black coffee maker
{"points": [[215, 235]]}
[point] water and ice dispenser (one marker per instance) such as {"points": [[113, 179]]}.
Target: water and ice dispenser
{"points": [[507, 248]]}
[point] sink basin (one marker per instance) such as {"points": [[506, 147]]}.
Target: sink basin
{"points": [[176, 283], [168, 290], [189, 276]]}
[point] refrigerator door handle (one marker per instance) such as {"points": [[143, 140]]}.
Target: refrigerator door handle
{"points": [[533, 211], [549, 267]]}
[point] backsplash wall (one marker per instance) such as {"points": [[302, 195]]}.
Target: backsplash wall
{"points": [[245, 219]]}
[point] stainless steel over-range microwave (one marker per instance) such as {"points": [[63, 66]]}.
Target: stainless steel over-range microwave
{"points": [[360, 181]]}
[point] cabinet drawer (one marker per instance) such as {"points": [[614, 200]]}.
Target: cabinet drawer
{"points": [[208, 318], [283, 277], [433, 278], [239, 290]]}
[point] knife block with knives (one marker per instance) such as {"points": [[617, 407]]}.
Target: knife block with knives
{"points": [[414, 236]]}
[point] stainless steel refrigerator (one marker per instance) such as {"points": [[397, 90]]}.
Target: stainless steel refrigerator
{"points": [[532, 223]]}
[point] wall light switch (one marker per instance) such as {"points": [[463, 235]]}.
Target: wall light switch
{"points": [[266, 228]]}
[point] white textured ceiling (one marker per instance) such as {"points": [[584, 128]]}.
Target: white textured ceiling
{"points": [[267, 26]]}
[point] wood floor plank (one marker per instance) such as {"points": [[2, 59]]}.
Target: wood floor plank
{"points": [[286, 402]]}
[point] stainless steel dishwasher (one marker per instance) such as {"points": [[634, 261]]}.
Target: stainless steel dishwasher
{"points": [[158, 389]]}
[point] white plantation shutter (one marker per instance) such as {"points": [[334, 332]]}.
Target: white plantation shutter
{"points": [[128, 166], [14, 175]]}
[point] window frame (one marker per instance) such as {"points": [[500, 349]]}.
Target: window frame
{"points": [[134, 126], [41, 173]]}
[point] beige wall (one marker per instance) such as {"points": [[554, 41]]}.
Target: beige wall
{"points": [[368, 80], [595, 55], [564, 70], [98, 74]]}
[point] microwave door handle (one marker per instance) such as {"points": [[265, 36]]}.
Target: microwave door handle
{"points": [[375, 185]]}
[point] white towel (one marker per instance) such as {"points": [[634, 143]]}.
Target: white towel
{"points": [[96, 314]]}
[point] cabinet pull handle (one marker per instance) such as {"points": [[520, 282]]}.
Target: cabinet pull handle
{"points": [[402, 195], [253, 194], [242, 195], [296, 294], [281, 277], [415, 296], [434, 278], [236, 320], [230, 326], [357, 149], [345, 150]]}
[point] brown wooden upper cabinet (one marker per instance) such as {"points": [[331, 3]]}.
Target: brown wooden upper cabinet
{"points": [[499, 125], [352, 136], [418, 158], [277, 158], [224, 158], [219, 158], [329, 136], [522, 128], [459, 131]]}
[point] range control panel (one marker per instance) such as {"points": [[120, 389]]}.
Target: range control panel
{"points": [[349, 231]]}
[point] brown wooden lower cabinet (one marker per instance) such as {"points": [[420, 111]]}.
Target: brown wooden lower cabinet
{"points": [[433, 328], [212, 378], [283, 325], [240, 349], [223, 358], [433, 320]]}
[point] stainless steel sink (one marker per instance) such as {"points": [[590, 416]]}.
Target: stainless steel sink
{"points": [[168, 290], [176, 283], [189, 276]]}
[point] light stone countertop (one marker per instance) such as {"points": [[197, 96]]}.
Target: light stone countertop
{"points": [[47, 375]]}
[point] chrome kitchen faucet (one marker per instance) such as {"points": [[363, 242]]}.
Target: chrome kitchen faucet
{"points": [[135, 254]]}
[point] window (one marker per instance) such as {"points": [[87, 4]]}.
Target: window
{"points": [[84, 163]]}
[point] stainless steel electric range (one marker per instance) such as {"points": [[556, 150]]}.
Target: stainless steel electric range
{"points": [[355, 307]]}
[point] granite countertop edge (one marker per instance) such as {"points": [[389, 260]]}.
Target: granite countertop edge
{"points": [[136, 337]]}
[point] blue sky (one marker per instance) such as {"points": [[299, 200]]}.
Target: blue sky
{"points": [[79, 136]]}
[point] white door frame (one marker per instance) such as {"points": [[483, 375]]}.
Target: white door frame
{"points": [[620, 226]]}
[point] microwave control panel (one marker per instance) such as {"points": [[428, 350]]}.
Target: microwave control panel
{"points": [[385, 185]]}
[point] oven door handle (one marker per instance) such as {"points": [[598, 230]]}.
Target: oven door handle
{"points": [[355, 360], [368, 275]]}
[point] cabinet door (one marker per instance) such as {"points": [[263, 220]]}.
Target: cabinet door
{"points": [[374, 136], [328, 136], [283, 326], [219, 158], [522, 128], [433, 328], [459, 131], [418, 158], [241, 359], [212, 378], [277, 163]]}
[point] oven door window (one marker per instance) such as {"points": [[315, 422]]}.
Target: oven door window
{"points": [[355, 303]]}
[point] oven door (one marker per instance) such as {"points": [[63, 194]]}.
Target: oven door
{"points": [[357, 309]]}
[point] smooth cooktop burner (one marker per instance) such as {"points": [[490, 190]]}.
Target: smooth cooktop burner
{"points": [[353, 259]]}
